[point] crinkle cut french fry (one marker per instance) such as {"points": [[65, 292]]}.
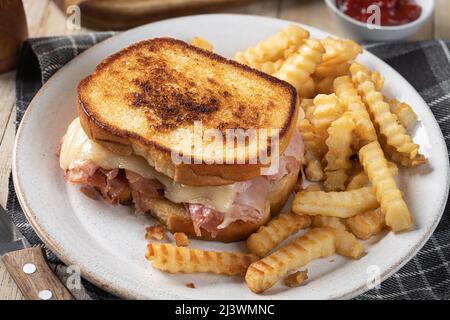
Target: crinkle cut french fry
{"points": [[339, 50], [173, 259], [308, 107], [367, 224], [389, 196], [291, 50], [316, 243], [324, 76], [395, 133], [331, 71], [202, 43], [343, 204], [404, 112], [277, 230], [324, 85], [269, 67], [326, 221], [335, 180], [314, 170], [328, 109], [393, 169], [346, 91], [377, 80], [298, 68], [240, 57], [404, 161], [308, 89], [315, 145], [274, 47], [346, 243], [398, 157], [339, 142], [360, 179]]}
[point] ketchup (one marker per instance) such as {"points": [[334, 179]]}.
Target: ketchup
{"points": [[393, 12]]}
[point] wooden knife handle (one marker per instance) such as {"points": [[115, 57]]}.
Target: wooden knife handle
{"points": [[34, 285]]}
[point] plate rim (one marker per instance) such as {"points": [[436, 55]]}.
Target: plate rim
{"points": [[124, 292]]}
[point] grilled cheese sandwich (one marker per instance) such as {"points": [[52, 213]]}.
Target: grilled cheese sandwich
{"points": [[129, 111]]}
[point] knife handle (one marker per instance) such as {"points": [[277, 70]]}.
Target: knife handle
{"points": [[37, 284]]}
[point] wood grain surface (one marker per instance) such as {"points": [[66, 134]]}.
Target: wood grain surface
{"points": [[45, 18], [41, 280], [125, 14]]}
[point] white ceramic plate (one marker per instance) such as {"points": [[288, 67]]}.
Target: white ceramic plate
{"points": [[107, 242]]}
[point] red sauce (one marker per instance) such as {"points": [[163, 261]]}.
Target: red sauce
{"points": [[393, 12]]}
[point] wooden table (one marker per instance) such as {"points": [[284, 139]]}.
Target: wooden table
{"points": [[46, 19]]}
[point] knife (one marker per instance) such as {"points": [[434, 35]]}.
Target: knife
{"points": [[27, 265]]}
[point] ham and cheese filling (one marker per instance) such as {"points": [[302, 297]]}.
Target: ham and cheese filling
{"points": [[120, 179]]}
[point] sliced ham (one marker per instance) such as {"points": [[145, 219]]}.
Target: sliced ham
{"points": [[116, 188], [248, 204], [204, 217], [110, 174], [89, 192], [149, 187], [250, 200], [144, 191], [82, 174], [113, 184]]}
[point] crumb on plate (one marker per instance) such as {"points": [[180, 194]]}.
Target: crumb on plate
{"points": [[181, 239], [155, 232]]}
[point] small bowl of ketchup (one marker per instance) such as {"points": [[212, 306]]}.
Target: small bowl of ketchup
{"points": [[381, 20]]}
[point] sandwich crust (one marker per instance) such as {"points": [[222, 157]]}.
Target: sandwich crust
{"points": [[137, 98], [281, 191]]}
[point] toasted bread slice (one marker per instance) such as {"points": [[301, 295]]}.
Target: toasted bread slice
{"points": [[137, 100]]}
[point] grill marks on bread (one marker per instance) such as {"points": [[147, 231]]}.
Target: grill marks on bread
{"points": [[171, 98], [142, 95], [167, 106]]}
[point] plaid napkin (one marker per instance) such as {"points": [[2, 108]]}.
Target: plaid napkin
{"points": [[426, 65]]}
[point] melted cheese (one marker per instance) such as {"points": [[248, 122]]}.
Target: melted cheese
{"points": [[78, 148]]}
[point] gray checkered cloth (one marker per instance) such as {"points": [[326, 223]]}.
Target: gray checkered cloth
{"points": [[426, 65]]}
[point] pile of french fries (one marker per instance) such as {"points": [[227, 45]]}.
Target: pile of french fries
{"points": [[354, 138]]}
